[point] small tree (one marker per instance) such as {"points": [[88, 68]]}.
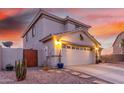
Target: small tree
{"points": [[7, 43], [122, 45]]}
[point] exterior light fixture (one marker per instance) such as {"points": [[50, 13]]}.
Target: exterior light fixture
{"points": [[96, 48], [57, 42]]}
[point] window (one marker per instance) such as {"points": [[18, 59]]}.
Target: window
{"points": [[33, 31], [77, 48], [81, 48], [73, 47], [88, 49], [84, 48], [26, 37], [68, 47], [63, 46], [91, 49]]}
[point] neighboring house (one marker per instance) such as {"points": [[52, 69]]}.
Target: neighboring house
{"points": [[51, 35], [118, 44]]}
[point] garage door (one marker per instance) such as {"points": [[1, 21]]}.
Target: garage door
{"points": [[75, 55]]}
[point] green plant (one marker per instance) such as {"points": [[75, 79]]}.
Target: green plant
{"points": [[21, 70]]}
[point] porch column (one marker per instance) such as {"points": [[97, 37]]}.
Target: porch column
{"points": [[98, 54]]}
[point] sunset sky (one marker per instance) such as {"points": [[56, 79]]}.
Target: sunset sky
{"points": [[106, 23]]}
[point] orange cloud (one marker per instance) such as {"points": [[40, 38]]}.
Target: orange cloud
{"points": [[14, 36], [107, 30], [4, 13]]}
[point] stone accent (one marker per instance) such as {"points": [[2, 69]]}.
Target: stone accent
{"points": [[75, 73], [58, 71], [51, 70], [84, 76], [67, 70], [100, 82]]}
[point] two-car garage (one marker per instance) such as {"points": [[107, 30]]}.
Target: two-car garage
{"points": [[77, 55]]}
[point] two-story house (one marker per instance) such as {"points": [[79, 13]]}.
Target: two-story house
{"points": [[52, 36]]}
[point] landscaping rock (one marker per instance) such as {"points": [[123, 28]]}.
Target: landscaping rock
{"points": [[84, 76], [38, 76], [100, 82], [75, 73]]}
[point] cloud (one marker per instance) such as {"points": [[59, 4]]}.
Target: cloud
{"points": [[107, 30], [106, 23], [16, 21]]}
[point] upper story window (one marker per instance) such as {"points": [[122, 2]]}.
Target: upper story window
{"points": [[33, 31], [26, 37]]}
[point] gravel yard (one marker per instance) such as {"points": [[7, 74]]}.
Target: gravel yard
{"points": [[38, 76]]}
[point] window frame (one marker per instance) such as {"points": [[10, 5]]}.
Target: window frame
{"points": [[26, 37], [33, 31]]}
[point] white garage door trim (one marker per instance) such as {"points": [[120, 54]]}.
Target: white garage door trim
{"points": [[76, 55]]}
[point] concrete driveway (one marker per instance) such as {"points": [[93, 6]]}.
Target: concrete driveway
{"points": [[108, 72]]}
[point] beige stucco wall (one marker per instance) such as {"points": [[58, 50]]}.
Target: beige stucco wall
{"points": [[69, 27], [33, 42], [75, 38], [10, 55], [117, 46]]}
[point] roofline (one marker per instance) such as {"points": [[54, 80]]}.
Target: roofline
{"points": [[86, 33], [117, 37], [46, 38], [74, 31], [76, 21], [43, 12], [37, 16]]}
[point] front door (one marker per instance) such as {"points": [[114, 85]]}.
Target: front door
{"points": [[31, 57]]}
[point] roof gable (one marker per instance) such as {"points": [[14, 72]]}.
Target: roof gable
{"points": [[72, 32], [45, 13]]}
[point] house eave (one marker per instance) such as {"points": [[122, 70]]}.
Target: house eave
{"points": [[46, 38], [76, 44]]}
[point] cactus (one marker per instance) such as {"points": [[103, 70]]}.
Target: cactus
{"points": [[21, 70]]}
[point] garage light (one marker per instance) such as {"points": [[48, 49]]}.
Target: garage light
{"points": [[58, 43], [96, 48]]}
